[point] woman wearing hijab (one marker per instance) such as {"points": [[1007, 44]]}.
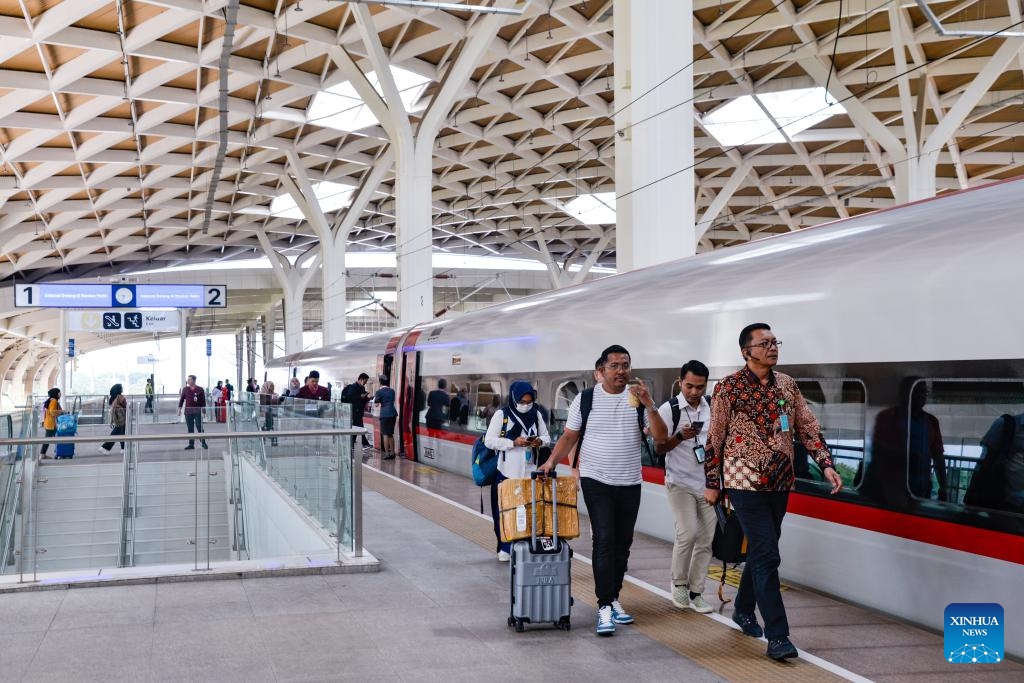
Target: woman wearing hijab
{"points": [[118, 417], [51, 409], [515, 431]]}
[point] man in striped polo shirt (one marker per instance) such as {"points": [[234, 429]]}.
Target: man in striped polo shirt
{"points": [[609, 471]]}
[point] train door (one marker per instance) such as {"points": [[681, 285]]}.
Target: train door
{"points": [[412, 403]]}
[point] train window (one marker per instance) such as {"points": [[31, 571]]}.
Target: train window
{"points": [[954, 434], [488, 401], [565, 392], [436, 404], [841, 408]]}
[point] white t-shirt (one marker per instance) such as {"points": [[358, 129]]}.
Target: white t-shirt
{"points": [[681, 467], [511, 458], [611, 449]]}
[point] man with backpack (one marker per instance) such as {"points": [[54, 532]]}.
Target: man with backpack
{"points": [[997, 482], [689, 415], [607, 421]]}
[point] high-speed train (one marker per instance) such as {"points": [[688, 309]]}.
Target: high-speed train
{"points": [[924, 295]]}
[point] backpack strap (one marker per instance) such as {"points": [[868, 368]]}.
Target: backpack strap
{"points": [[677, 413], [586, 404]]}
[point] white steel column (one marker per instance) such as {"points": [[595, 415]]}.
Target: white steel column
{"points": [[293, 279], [654, 224], [64, 352], [239, 360], [250, 350], [183, 332], [414, 216], [268, 331]]}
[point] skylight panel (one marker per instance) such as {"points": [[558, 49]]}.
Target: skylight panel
{"points": [[340, 106], [762, 119], [593, 209], [331, 196]]}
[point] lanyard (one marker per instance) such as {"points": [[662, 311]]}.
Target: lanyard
{"points": [[691, 420]]}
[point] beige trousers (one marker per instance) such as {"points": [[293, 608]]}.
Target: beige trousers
{"points": [[695, 528]]}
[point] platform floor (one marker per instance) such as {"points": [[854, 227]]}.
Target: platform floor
{"points": [[436, 612]]}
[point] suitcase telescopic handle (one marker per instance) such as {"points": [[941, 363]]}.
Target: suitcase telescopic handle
{"points": [[538, 474]]}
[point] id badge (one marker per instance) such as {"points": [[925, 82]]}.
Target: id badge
{"points": [[698, 453], [784, 422]]}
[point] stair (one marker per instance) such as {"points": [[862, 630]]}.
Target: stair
{"points": [[78, 516], [169, 524]]}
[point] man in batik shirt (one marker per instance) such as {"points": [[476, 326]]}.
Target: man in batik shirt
{"points": [[755, 415]]}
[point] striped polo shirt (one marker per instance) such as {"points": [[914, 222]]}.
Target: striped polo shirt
{"points": [[611, 445]]}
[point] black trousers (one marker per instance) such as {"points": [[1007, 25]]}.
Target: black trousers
{"points": [[357, 421], [760, 514], [194, 422], [496, 513], [114, 431], [613, 511]]}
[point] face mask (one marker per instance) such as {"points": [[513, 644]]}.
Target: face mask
{"points": [[524, 407]]}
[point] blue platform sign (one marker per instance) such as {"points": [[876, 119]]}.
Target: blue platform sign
{"points": [[71, 347], [209, 347], [57, 295]]}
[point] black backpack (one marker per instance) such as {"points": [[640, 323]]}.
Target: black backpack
{"points": [[587, 404], [989, 479]]}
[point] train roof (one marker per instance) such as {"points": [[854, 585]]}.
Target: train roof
{"points": [[926, 281]]}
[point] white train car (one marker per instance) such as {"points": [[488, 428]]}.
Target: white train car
{"points": [[928, 291]]}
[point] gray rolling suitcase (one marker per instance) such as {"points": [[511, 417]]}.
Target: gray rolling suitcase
{"points": [[540, 573]]}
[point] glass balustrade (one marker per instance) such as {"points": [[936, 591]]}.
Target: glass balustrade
{"points": [[276, 480]]}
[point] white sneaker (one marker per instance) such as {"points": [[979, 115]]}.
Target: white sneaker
{"points": [[605, 621], [681, 597], [698, 605], [103, 451], [503, 556]]}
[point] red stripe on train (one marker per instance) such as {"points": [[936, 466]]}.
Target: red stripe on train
{"points": [[969, 539], [995, 544]]}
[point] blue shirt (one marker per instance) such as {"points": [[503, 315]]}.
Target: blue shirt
{"points": [[385, 396]]}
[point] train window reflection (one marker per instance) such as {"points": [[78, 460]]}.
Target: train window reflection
{"points": [[488, 402], [565, 392], [981, 461], [841, 408]]}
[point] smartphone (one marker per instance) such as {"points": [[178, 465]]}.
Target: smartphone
{"points": [[697, 425], [698, 453]]}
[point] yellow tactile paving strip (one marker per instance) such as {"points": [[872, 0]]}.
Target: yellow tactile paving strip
{"points": [[718, 648]]}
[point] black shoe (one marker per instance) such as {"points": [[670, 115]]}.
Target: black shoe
{"points": [[205, 446], [781, 649], [748, 622], [190, 448], [389, 456]]}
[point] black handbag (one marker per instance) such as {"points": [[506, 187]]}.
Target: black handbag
{"points": [[729, 544]]}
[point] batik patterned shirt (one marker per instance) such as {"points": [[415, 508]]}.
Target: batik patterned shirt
{"points": [[753, 426]]}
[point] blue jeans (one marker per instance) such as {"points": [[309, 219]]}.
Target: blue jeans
{"points": [[613, 511], [496, 513], [760, 514]]}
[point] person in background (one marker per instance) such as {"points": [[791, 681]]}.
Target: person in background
{"points": [[118, 417], [437, 404], [229, 389], [355, 395], [610, 457], [193, 400], [313, 391], [525, 432], [684, 486], [268, 405], [220, 410], [51, 409], [385, 398], [294, 386], [889, 457], [149, 395], [488, 411], [755, 415], [251, 386]]}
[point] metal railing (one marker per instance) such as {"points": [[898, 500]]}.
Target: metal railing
{"points": [[328, 489]]}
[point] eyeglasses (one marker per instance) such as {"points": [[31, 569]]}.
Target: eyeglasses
{"points": [[766, 344], [616, 367]]}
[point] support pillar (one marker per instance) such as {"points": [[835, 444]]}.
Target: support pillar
{"points": [[414, 215], [239, 347], [268, 329], [334, 283], [64, 352], [293, 302], [250, 349], [654, 224], [22, 374]]}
